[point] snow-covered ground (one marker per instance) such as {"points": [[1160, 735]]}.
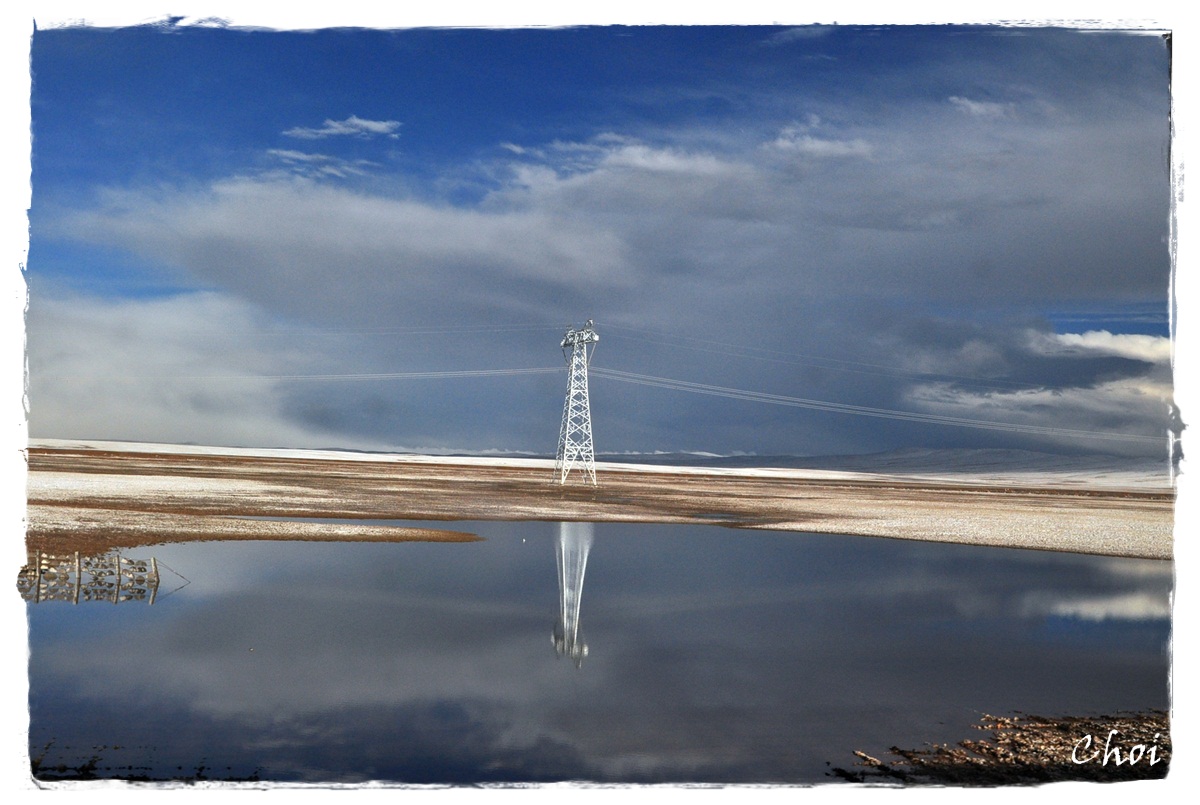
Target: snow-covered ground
{"points": [[78, 493], [1016, 467]]}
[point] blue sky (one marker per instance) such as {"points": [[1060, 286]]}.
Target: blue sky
{"points": [[235, 233]]}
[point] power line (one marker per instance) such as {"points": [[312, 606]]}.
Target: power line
{"points": [[667, 383], [325, 377], [859, 410], [415, 330], [421, 375], [816, 361]]}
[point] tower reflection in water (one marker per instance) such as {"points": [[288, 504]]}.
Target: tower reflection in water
{"points": [[574, 542], [75, 578]]}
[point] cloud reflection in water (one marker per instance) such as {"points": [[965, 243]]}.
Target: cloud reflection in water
{"points": [[719, 655]]}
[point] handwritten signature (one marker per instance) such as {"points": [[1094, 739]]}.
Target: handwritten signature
{"points": [[1112, 751]]}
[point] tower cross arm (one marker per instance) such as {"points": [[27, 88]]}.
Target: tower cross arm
{"points": [[586, 335]]}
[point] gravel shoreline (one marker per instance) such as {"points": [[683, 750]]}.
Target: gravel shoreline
{"points": [[1030, 750]]}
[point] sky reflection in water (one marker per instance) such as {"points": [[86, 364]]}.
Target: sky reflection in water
{"points": [[714, 655]]}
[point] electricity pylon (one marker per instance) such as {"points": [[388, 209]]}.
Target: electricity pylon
{"points": [[575, 437], [574, 543]]}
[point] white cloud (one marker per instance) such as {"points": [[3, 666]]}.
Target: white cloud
{"points": [[613, 209], [302, 246], [740, 244], [351, 126], [180, 369], [301, 163], [297, 156], [1127, 407], [1149, 348], [794, 140], [665, 160], [988, 110]]}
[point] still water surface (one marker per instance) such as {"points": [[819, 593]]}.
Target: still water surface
{"points": [[713, 655]]}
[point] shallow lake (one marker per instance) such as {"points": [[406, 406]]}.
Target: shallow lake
{"points": [[712, 655]]}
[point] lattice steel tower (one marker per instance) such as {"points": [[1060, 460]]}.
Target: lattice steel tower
{"points": [[575, 438]]}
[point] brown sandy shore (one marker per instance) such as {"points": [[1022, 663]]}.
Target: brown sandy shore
{"points": [[96, 496]]}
